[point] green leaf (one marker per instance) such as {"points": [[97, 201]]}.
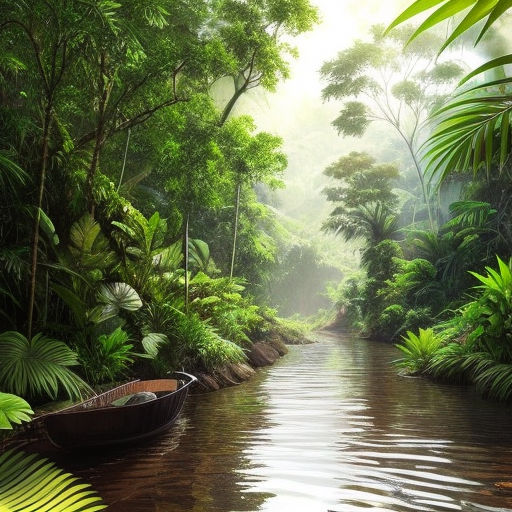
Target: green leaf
{"points": [[118, 296], [48, 227], [481, 9], [494, 63], [13, 409], [37, 367], [152, 343], [124, 228], [501, 8], [450, 8], [83, 233], [29, 483], [416, 8]]}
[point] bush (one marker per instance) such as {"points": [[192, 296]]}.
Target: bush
{"points": [[419, 350], [219, 301], [195, 344], [416, 319], [108, 358], [390, 322]]}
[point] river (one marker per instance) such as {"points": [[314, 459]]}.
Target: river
{"points": [[328, 427]]}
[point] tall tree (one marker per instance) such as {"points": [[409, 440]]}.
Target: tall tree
{"points": [[255, 34], [363, 191], [377, 81], [47, 39], [250, 159]]}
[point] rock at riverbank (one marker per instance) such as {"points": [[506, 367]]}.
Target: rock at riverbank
{"points": [[262, 353], [229, 375]]}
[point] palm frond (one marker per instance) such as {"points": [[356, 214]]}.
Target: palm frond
{"points": [[470, 214], [89, 246], [492, 9], [39, 366], [28, 482], [11, 174], [470, 131]]}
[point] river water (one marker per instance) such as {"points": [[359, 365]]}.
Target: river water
{"points": [[329, 427]]}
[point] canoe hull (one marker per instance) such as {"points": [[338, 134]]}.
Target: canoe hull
{"points": [[85, 426]]}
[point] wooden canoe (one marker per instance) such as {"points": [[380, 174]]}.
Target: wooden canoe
{"points": [[96, 422]]}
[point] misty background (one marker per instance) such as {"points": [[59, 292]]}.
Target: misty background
{"points": [[297, 113]]}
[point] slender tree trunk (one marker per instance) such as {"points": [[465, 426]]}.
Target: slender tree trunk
{"points": [[124, 159], [231, 103], [185, 252], [421, 178], [104, 87], [37, 218], [235, 230], [424, 191], [89, 186]]}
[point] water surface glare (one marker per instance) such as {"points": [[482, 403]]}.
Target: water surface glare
{"points": [[329, 427]]}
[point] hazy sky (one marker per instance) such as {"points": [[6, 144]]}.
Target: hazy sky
{"points": [[296, 111], [342, 21]]}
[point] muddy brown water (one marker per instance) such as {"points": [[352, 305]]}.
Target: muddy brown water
{"points": [[329, 427]]}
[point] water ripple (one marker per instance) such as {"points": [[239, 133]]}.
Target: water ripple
{"points": [[330, 427]]}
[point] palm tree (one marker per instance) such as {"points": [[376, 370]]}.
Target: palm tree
{"points": [[374, 223]]}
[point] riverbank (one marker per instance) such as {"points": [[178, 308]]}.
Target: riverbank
{"points": [[264, 352]]}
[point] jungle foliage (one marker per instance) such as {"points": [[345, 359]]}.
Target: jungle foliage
{"points": [[127, 194], [441, 290]]}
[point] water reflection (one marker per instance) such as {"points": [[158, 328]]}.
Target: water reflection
{"points": [[330, 427]]}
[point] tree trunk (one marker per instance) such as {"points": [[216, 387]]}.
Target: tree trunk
{"points": [[231, 103], [104, 88], [235, 230], [89, 185], [124, 159], [37, 218], [185, 252]]}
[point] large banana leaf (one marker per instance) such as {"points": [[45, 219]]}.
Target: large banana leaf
{"points": [[13, 409], [29, 483]]}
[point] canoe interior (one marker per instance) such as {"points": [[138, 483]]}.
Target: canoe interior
{"points": [[96, 423], [106, 399]]}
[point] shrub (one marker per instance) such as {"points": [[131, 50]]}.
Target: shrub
{"points": [[417, 318], [108, 358], [390, 322], [219, 301], [196, 344], [419, 350]]}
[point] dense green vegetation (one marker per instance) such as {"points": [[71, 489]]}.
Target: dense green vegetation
{"points": [[134, 236], [437, 283]]}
